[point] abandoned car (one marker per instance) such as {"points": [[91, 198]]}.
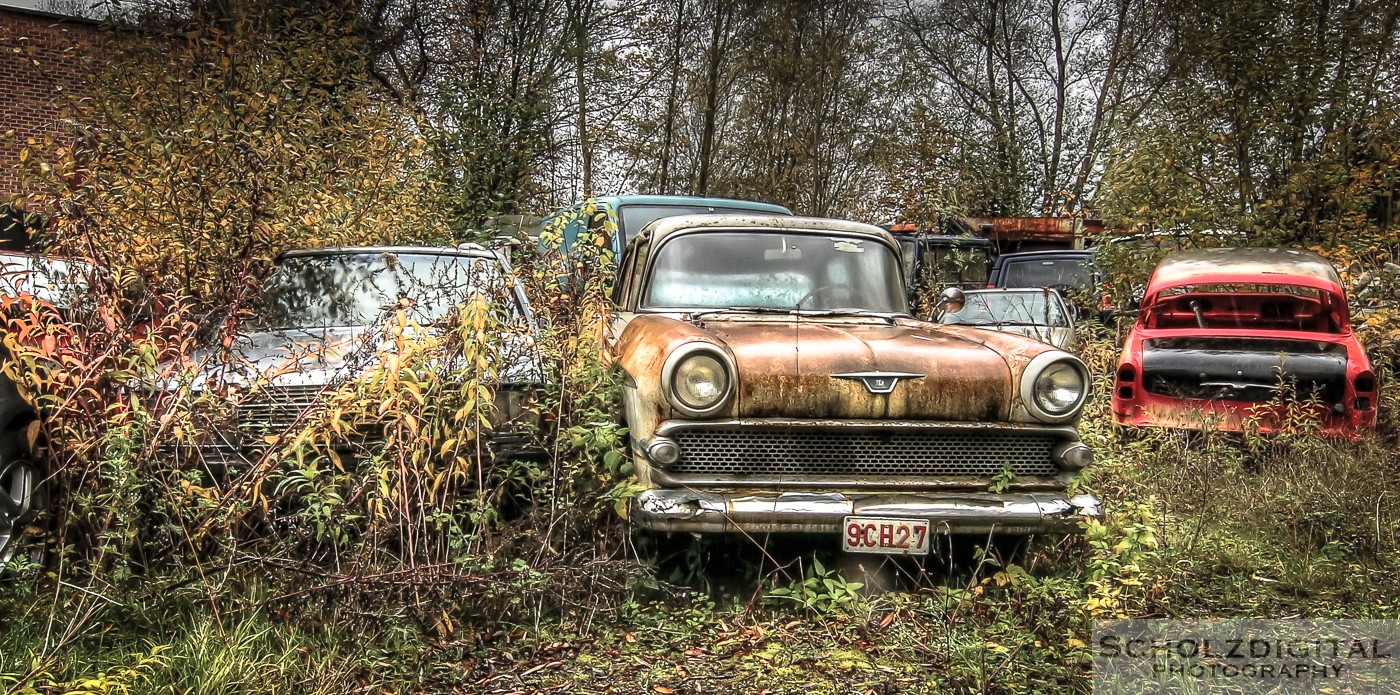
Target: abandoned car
{"points": [[321, 319], [1245, 339], [774, 381], [1040, 314]]}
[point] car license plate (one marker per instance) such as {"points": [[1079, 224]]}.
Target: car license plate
{"points": [[869, 534]]}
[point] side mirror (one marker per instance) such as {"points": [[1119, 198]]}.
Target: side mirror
{"points": [[952, 299]]}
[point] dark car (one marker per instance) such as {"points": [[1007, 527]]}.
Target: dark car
{"points": [[933, 262], [628, 214], [21, 494], [1061, 270], [1072, 273], [44, 288]]}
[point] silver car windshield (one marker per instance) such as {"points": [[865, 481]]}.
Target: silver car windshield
{"points": [[358, 289], [776, 271], [1009, 309], [61, 282]]}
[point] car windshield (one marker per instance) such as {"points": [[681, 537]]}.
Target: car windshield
{"points": [[1008, 308], [61, 282], [635, 217], [774, 270], [356, 289], [1062, 272]]}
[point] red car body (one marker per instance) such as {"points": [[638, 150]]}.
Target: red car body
{"points": [[1245, 340]]}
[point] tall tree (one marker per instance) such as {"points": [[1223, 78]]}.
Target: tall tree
{"points": [[492, 120], [1042, 86], [212, 142], [1292, 139]]}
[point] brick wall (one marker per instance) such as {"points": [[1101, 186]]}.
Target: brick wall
{"points": [[44, 60]]}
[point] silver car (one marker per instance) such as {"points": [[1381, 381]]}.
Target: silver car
{"points": [[1035, 313], [320, 321]]}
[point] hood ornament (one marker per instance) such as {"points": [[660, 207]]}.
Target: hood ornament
{"points": [[878, 382]]}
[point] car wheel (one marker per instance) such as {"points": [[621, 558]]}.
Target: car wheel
{"points": [[21, 496]]}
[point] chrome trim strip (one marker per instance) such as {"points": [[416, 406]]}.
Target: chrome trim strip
{"points": [[1065, 431], [868, 482], [690, 511]]}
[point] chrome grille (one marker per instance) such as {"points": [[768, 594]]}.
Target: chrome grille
{"points": [[273, 409], [797, 451]]}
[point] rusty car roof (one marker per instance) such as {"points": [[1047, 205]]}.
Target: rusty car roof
{"points": [[667, 226], [1244, 265]]}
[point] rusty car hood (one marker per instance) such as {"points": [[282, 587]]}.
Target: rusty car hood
{"points": [[819, 368]]}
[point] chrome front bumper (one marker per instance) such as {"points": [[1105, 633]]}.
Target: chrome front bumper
{"points": [[690, 511]]}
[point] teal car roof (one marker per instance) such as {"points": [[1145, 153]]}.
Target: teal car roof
{"points": [[620, 200]]}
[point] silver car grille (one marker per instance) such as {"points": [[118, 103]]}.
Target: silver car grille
{"points": [[767, 451], [275, 409]]}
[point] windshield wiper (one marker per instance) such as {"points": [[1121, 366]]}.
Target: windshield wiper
{"points": [[739, 310], [844, 312], [792, 312]]}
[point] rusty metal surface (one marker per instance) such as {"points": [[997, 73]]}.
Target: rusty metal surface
{"points": [[1056, 229], [829, 371], [786, 368]]}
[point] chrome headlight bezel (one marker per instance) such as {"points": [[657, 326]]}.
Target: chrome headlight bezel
{"points": [[677, 359], [1030, 377]]}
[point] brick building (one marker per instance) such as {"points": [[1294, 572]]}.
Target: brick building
{"points": [[44, 60]]}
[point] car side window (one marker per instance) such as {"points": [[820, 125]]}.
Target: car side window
{"points": [[630, 277]]}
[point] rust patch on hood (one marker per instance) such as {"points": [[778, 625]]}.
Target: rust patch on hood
{"points": [[788, 368]]}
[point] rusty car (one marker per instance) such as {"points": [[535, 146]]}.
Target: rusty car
{"points": [[1245, 339], [774, 381]]}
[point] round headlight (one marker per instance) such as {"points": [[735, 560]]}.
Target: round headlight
{"points": [[700, 382], [1059, 388]]}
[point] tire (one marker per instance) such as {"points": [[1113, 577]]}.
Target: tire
{"points": [[22, 495]]}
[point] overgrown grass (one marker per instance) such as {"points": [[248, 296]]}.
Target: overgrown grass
{"points": [[1195, 525]]}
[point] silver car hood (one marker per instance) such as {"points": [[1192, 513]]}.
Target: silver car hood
{"points": [[1059, 336], [320, 356]]}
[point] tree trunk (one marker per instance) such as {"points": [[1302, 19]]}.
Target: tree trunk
{"points": [[664, 185], [581, 27], [711, 116]]}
